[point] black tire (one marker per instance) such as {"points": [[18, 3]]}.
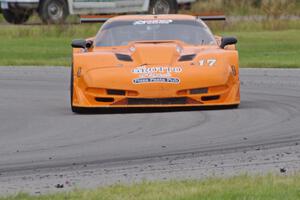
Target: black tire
{"points": [[53, 11], [235, 106], [16, 16], [163, 7]]}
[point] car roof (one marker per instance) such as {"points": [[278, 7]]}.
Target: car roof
{"points": [[153, 17]]}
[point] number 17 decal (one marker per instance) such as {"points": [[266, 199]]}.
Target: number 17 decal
{"points": [[209, 62]]}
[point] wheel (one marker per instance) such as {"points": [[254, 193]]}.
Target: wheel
{"points": [[53, 11], [235, 106], [75, 109], [163, 7], [16, 16]]}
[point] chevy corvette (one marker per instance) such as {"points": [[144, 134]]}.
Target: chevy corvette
{"points": [[154, 61]]}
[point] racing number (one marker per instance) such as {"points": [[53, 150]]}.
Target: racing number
{"points": [[209, 62]]}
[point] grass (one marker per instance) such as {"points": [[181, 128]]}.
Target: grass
{"points": [[38, 51], [269, 187], [40, 45], [269, 49], [272, 8], [50, 45]]}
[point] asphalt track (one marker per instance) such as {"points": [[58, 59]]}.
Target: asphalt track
{"points": [[39, 135]]}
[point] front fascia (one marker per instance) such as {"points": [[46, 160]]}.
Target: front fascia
{"points": [[217, 77]]}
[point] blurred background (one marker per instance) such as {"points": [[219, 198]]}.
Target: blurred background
{"points": [[268, 32]]}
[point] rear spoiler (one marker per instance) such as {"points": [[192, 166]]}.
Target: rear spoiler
{"points": [[212, 18], [104, 18], [95, 18]]}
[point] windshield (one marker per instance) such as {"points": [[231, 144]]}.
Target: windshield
{"points": [[120, 33]]}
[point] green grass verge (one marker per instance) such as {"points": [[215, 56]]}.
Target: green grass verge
{"points": [[40, 45], [269, 49], [244, 187], [50, 45], [248, 7]]}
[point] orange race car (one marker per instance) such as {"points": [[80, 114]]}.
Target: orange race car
{"points": [[154, 61]]}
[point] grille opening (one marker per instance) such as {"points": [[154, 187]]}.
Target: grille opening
{"points": [[116, 92], [106, 99], [210, 98], [199, 91], [157, 101]]}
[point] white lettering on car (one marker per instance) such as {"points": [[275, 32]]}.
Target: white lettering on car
{"points": [[159, 74], [150, 22], [208, 62]]}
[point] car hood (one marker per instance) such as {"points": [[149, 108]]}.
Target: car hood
{"points": [[140, 61], [155, 53]]}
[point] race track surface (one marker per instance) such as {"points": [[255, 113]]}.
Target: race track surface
{"points": [[42, 143]]}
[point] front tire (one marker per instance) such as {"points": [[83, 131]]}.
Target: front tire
{"points": [[16, 16], [53, 11], [236, 106], [163, 7]]}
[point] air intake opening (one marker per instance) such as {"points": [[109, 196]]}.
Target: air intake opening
{"points": [[104, 99], [199, 91], [124, 57], [157, 101], [188, 57], [210, 98], [116, 92]]}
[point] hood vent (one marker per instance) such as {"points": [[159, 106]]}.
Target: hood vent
{"points": [[124, 57], [188, 57]]}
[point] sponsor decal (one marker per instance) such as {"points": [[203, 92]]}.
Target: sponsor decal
{"points": [[156, 80], [158, 74], [153, 22]]}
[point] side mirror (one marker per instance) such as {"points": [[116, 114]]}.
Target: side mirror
{"points": [[227, 41], [78, 43], [82, 43]]}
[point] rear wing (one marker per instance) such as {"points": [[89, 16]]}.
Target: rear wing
{"points": [[104, 18], [95, 18], [212, 18]]}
